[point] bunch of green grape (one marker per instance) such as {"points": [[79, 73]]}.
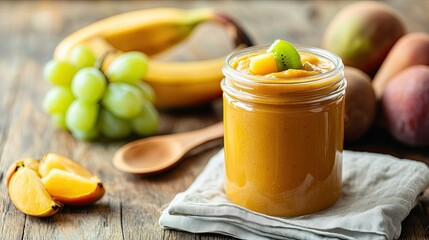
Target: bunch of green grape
{"points": [[91, 103]]}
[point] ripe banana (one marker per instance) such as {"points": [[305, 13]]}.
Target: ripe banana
{"points": [[181, 84], [176, 84], [149, 30]]}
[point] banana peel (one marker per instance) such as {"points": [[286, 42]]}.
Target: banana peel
{"points": [[152, 31], [184, 84], [149, 30]]}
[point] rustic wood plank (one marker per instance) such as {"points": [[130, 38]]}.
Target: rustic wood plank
{"points": [[12, 222]]}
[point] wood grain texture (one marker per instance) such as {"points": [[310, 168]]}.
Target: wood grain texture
{"points": [[29, 32]]}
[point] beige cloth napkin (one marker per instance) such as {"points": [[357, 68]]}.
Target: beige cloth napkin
{"points": [[378, 192]]}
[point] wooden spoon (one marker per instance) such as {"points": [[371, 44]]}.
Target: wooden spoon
{"points": [[156, 154]]}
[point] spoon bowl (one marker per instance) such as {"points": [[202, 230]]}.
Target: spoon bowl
{"points": [[141, 157], [153, 155]]}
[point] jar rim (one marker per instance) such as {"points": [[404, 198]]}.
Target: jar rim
{"points": [[229, 71], [270, 90]]}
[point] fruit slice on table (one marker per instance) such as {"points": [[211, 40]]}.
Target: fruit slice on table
{"points": [[56, 161], [68, 181], [27, 162], [27, 191], [72, 189], [280, 56]]}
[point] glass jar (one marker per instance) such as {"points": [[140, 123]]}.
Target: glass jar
{"points": [[283, 137]]}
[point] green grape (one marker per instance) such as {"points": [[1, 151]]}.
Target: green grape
{"points": [[59, 120], [113, 127], [146, 123], [86, 135], [123, 100], [147, 91], [58, 99], [59, 72], [81, 116], [129, 67], [88, 85], [82, 56]]}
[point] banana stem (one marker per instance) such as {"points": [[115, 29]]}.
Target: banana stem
{"points": [[233, 29]]}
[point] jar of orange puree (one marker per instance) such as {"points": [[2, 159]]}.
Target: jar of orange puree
{"points": [[283, 118]]}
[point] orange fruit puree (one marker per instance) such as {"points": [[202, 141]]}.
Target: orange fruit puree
{"points": [[284, 135]]}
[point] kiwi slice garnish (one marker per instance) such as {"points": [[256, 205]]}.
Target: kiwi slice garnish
{"points": [[285, 54]]}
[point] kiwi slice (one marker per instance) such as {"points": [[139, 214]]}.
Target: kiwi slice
{"points": [[285, 54]]}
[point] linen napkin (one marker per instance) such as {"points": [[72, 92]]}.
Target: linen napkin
{"points": [[378, 192]]}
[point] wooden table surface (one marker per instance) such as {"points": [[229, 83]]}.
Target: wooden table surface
{"points": [[29, 31]]}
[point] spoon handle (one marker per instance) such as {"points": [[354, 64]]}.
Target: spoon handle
{"points": [[190, 140]]}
